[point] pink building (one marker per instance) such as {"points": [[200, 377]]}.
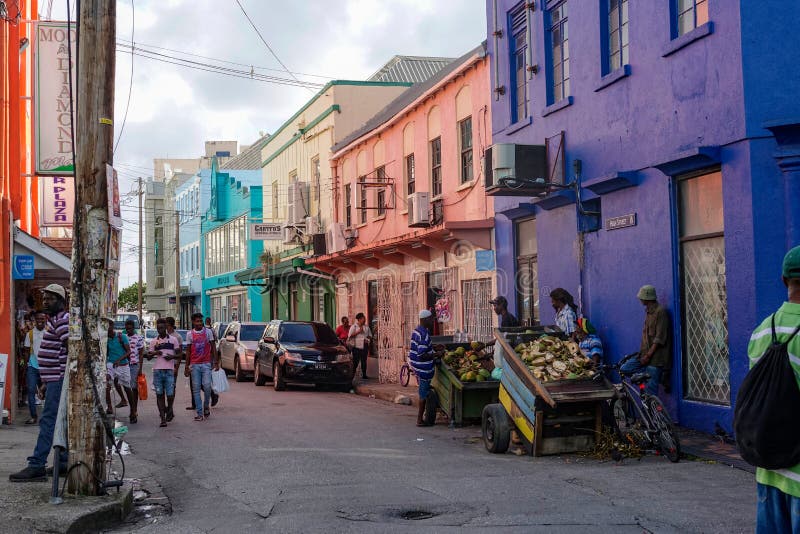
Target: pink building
{"points": [[414, 227]]}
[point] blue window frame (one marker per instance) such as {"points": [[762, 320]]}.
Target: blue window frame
{"points": [[687, 15], [614, 17], [558, 53], [520, 97]]}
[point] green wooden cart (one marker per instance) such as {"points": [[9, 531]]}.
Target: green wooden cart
{"points": [[463, 402]]}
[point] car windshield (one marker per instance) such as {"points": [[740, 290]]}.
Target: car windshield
{"points": [[251, 332], [326, 335], [150, 333], [297, 333]]}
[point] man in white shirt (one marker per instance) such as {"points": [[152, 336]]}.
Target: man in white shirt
{"points": [[359, 338], [33, 340]]}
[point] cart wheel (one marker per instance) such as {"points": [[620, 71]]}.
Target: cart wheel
{"points": [[405, 375], [495, 428]]}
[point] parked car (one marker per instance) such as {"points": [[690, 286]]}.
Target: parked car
{"points": [[185, 336], [150, 334], [302, 352], [219, 331], [237, 348]]}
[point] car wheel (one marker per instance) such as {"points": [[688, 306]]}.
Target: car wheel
{"points": [[258, 378], [238, 374], [277, 381]]}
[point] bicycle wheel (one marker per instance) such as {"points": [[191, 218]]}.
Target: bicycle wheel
{"points": [[405, 375], [667, 439], [621, 410]]}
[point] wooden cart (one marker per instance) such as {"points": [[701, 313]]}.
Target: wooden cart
{"points": [[550, 418], [463, 402]]}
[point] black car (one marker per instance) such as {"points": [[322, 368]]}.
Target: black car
{"points": [[302, 352]]}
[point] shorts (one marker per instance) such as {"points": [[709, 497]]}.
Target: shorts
{"points": [[164, 381], [121, 373], [424, 388], [134, 372]]}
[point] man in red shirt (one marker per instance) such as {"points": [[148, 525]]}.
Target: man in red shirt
{"points": [[202, 355], [343, 330]]}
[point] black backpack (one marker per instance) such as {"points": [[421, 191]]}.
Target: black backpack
{"points": [[767, 415]]}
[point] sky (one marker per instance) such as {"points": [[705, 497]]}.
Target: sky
{"points": [[174, 109]]}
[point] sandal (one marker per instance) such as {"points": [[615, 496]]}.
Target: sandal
{"points": [[207, 413], [163, 423], [199, 418], [122, 404], [170, 416], [133, 420]]}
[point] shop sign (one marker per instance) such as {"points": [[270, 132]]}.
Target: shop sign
{"points": [[484, 260], [57, 200], [173, 299], [266, 232], [51, 98], [23, 267], [622, 221]]}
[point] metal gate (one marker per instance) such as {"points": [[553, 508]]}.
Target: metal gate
{"points": [[477, 312], [389, 331]]}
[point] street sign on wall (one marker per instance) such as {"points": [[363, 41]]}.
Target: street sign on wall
{"points": [[23, 267], [622, 221], [266, 232], [51, 98], [57, 204]]}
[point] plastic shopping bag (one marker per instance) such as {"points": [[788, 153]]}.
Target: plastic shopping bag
{"points": [[141, 384], [219, 382]]}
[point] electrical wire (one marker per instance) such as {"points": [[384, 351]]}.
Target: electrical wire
{"points": [[130, 85]]}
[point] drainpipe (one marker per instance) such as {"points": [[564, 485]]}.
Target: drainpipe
{"points": [[496, 33]]}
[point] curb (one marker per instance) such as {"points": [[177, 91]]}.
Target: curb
{"points": [[107, 515], [367, 390]]}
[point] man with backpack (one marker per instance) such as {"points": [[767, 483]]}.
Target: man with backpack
{"points": [[767, 409]]}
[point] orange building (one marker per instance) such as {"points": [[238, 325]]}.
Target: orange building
{"points": [[413, 225]]}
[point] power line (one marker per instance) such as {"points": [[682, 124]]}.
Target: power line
{"points": [[265, 41]]}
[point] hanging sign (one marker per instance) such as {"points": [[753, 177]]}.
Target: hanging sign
{"points": [[266, 232], [57, 204], [112, 186], [23, 267], [51, 98]]}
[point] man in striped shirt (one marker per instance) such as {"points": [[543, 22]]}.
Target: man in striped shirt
{"points": [[779, 489], [421, 358], [52, 359]]}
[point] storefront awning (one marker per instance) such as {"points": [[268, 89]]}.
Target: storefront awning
{"points": [[275, 270], [45, 258]]}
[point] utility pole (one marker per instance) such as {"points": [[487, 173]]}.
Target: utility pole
{"points": [[178, 320], [90, 259], [139, 292]]}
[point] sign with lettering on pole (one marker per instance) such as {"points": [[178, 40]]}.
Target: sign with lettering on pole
{"points": [[266, 232], [57, 204], [51, 98]]}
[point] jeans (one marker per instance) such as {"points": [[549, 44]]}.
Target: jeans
{"points": [[201, 378], [634, 366], [360, 355], [33, 380], [777, 511], [47, 425]]}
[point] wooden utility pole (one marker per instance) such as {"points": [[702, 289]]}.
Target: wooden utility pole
{"points": [[139, 292], [178, 320], [91, 279]]}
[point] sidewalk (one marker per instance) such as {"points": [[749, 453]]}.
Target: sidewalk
{"points": [[387, 392], [25, 507]]}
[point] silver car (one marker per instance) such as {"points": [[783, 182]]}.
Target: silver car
{"points": [[238, 346]]}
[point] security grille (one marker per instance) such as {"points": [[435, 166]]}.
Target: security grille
{"points": [[706, 321], [410, 305], [477, 312], [389, 330]]}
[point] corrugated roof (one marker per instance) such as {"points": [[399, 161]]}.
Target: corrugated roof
{"points": [[414, 69], [410, 95], [249, 159]]}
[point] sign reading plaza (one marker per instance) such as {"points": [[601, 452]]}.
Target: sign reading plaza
{"points": [[57, 201], [52, 115]]}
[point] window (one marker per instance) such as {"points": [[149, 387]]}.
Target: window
{"points": [[348, 205], [226, 247], [380, 196], [436, 166], [706, 354], [688, 15], [410, 175], [465, 144], [519, 66], [527, 273], [616, 35], [362, 200], [559, 53], [315, 179], [275, 200]]}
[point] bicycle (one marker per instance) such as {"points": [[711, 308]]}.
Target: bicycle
{"points": [[406, 372], [639, 416]]}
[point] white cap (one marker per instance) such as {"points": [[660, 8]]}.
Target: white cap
{"points": [[56, 289], [424, 314]]}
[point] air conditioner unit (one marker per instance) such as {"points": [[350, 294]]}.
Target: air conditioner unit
{"points": [[289, 235], [335, 240], [419, 209], [312, 226], [516, 170], [297, 205]]}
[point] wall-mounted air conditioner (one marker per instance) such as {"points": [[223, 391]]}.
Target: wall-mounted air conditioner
{"points": [[289, 234], [312, 226], [297, 204], [419, 209], [335, 240], [516, 170]]}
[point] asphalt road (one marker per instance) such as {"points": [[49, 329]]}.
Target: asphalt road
{"points": [[319, 461]]}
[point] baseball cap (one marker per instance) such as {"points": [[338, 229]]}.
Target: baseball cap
{"points": [[56, 289], [424, 314], [791, 263], [499, 300], [647, 292]]}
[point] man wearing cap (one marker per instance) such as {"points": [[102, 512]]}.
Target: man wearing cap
{"points": [[779, 490], [589, 342], [421, 358], [500, 306], [52, 359], [655, 356]]}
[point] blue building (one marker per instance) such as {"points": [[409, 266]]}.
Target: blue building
{"points": [[674, 128], [225, 247], [192, 200]]}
